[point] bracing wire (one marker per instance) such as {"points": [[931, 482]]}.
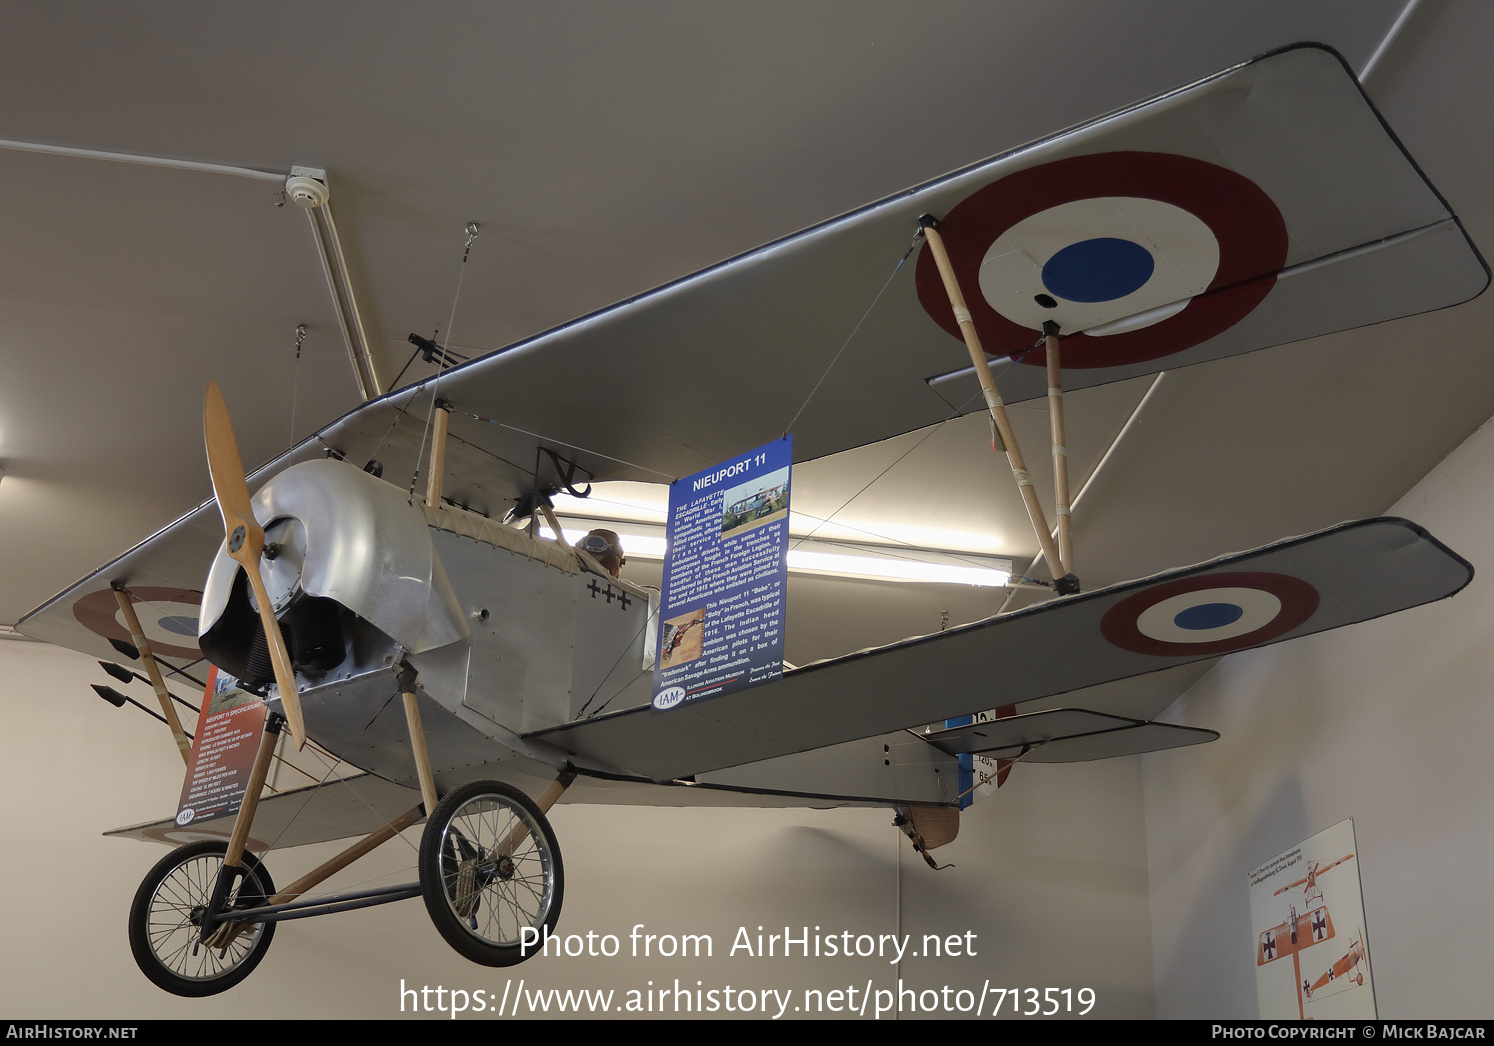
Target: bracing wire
{"points": [[855, 330], [471, 230]]}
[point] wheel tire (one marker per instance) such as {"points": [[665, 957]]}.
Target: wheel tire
{"points": [[164, 937], [480, 904]]}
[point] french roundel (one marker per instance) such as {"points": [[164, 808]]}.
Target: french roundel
{"points": [[168, 617], [1136, 255], [1209, 614]]}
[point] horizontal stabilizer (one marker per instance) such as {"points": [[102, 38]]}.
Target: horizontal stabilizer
{"points": [[1066, 735]]}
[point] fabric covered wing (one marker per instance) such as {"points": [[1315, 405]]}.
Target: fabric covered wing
{"points": [[1349, 573], [1263, 205]]}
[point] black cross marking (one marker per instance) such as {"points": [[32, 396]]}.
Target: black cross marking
{"points": [[597, 590]]}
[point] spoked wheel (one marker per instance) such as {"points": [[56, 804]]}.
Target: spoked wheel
{"points": [[168, 912], [490, 869]]}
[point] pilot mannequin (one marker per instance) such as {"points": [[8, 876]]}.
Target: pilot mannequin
{"points": [[604, 547]]}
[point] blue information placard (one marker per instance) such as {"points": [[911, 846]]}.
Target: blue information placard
{"points": [[721, 612]]}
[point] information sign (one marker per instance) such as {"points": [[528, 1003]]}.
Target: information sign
{"points": [[721, 615], [222, 751]]}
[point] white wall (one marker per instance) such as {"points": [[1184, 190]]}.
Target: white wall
{"points": [[1388, 722]]}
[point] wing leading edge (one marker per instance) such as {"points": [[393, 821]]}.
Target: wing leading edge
{"points": [[1350, 573]]}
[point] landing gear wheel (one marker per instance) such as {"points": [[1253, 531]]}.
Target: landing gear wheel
{"points": [[490, 869], [168, 910]]}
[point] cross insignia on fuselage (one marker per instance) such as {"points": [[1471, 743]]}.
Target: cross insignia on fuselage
{"points": [[598, 590]]}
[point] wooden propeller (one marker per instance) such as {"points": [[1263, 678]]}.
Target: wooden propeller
{"points": [[245, 540]]}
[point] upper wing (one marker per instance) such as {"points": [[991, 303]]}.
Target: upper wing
{"points": [[1349, 573], [1261, 205]]}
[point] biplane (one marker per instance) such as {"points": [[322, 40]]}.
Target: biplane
{"points": [[476, 671]]}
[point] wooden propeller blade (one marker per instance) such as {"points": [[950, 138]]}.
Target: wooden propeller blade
{"points": [[245, 540]]}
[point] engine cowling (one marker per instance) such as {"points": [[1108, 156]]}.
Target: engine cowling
{"points": [[338, 542]]}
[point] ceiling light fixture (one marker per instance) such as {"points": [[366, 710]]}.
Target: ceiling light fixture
{"points": [[828, 558]]}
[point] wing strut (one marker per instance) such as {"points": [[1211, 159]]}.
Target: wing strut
{"points": [[137, 634], [418, 748], [1060, 450], [439, 424], [1067, 584]]}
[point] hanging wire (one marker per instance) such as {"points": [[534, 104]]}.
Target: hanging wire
{"points": [[296, 381]]}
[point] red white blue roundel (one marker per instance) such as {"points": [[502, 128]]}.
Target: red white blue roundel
{"points": [[168, 617], [1134, 255], [1209, 614]]}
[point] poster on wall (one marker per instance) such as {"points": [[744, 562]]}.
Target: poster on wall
{"points": [[1307, 912], [222, 751], [721, 612]]}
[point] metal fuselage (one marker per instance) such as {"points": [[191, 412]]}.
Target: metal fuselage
{"points": [[507, 636]]}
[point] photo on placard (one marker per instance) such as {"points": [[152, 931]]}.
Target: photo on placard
{"points": [[682, 638], [754, 504], [228, 695]]}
